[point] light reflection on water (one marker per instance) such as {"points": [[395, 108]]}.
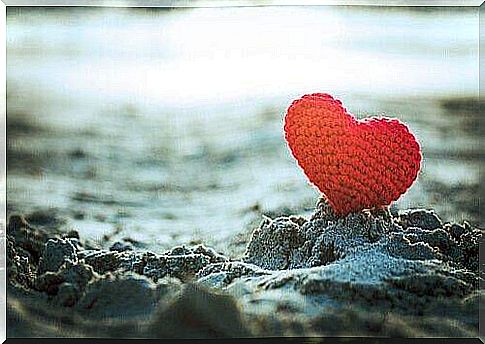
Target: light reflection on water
{"points": [[187, 57], [176, 115]]}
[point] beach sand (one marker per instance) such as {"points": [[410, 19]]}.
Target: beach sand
{"points": [[150, 192], [406, 274]]}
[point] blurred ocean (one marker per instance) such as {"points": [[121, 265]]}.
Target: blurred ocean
{"points": [[164, 126]]}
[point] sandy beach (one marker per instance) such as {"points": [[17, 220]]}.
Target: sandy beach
{"points": [[151, 193], [367, 274]]}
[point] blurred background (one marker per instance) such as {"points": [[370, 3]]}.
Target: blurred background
{"points": [[164, 126]]}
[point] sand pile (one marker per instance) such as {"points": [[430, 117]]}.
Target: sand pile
{"points": [[369, 273]]}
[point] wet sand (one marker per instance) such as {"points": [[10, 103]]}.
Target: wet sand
{"points": [[406, 274], [123, 176], [161, 200], [242, 278]]}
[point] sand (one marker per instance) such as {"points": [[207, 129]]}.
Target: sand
{"points": [[105, 186], [372, 273]]}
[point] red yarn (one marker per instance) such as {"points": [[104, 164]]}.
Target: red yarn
{"points": [[356, 164]]}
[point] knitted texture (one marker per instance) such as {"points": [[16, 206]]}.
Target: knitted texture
{"points": [[356, 164]]}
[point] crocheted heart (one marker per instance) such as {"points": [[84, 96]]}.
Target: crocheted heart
{"points": [[356, 164]]}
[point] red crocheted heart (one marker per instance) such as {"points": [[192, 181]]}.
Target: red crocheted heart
{"points": [[356, 164]]}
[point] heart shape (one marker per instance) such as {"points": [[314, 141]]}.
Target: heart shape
{"points": [[356, 164]]}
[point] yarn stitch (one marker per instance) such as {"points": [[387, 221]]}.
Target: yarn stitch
{"points": [[356, 164]]}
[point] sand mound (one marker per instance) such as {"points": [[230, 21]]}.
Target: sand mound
{"points": [[296, 276]]}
